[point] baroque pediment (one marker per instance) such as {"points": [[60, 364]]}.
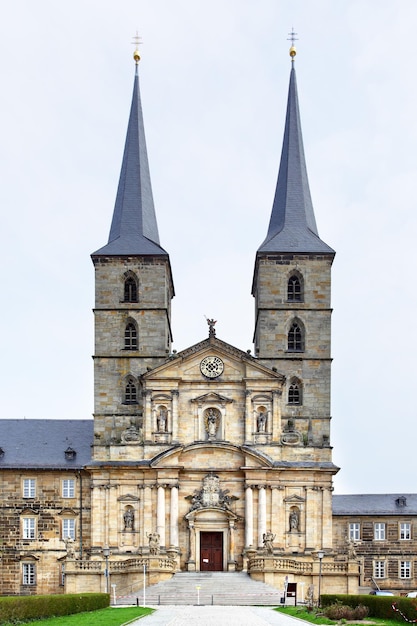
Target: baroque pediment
{"points": [[211, 397], [127, 497], [237, 365]]}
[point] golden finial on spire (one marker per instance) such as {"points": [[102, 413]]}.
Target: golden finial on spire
{"points": [[293, 50], [136, 42]]}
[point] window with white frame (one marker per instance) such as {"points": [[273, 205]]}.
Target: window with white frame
{"points": [[405, 569], [379, 531], [405, 530], [68, 529], [379, 569], [29, 573], [354, 531], [29, 527], [29, 487], [68, 488]]}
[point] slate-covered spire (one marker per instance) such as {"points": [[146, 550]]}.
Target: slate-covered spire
{"points": [[292, 227], [134, 230]]}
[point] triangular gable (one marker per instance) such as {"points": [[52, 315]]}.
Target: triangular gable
{"points": [[212, 346], [211, 397]]}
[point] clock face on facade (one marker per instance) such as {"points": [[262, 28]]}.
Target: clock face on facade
{"points": [[211, 366]]}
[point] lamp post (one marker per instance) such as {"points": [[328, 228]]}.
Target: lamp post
{"points": [[106, 554], [320, 554]]}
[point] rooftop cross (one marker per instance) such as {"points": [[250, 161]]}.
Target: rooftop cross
{"points": [[292, 37], [136, 42]]}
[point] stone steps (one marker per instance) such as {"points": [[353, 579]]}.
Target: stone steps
{"points": [[215, 588]]}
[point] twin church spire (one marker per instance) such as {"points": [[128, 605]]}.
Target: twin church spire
{"points": [[292, 227], [134, 229]]}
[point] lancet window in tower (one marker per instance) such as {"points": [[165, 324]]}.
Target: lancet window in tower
{"points": [[294, 289], [130, 290], [295, 338], [294, 392], [131, 392], [131, 336]]}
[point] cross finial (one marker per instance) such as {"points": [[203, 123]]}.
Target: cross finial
{"points": [[136, 42], [293, 38]]}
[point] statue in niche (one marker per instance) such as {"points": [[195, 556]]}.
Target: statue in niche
{"points": [[161, 420], [261, 421], [129, 519], [268, 539], [154, 543], [294, 520], [212, 423]]}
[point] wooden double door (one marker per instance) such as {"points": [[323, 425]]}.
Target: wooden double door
{"points": [[211, 552]]}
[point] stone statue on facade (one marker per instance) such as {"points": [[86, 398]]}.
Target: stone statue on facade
{"points": [[211, 423], [161, 420], [268, 539], [261, 421], [154, 543], [69, 546], [294, 520], [351, 549], [129, 519], [211, 323]]}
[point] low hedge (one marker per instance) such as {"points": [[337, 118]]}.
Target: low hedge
{"points": [[379, 606], [17, 609]]}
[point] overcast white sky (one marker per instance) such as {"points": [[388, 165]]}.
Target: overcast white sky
{"points": [[214, 80]]}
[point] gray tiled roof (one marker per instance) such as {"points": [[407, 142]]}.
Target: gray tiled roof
{"points": [[41, 443], [375, 504], [292, 227], [134, 230]]}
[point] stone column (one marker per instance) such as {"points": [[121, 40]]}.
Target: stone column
{"points": [[276, 418], [248, 517], [147, 416], [191, 554], [174, 425], [174, 518], [311, 520], [261, 515], [327, 518], [275, 522], [160, 516], [248, 418], [231, 565], [147, 513], [198, 424]]}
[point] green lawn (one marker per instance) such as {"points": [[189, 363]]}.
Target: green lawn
{"points": [[103, 617], [302, 613]]}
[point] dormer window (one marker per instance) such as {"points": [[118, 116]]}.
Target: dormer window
{"points": [[401, 501], [70, 454], [1, 453]]}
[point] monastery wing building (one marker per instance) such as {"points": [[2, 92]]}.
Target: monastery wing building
{"points": [[209, 459]]}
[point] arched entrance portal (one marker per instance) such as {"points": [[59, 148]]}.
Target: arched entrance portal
{"points": [[211, 540]]}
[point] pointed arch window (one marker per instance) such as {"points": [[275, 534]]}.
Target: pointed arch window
{"points": [[131, 336], [295, 288], [131, 392], [295, 338], [295, 392], [131, 289]]}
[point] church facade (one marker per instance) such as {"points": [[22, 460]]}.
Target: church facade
{"points": [[209, 459]]}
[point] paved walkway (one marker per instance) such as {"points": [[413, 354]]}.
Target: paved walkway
{"points": [[215, 616]]}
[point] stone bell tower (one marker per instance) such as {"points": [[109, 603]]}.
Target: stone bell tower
{"points": [[134, 289], [291, 286]]}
